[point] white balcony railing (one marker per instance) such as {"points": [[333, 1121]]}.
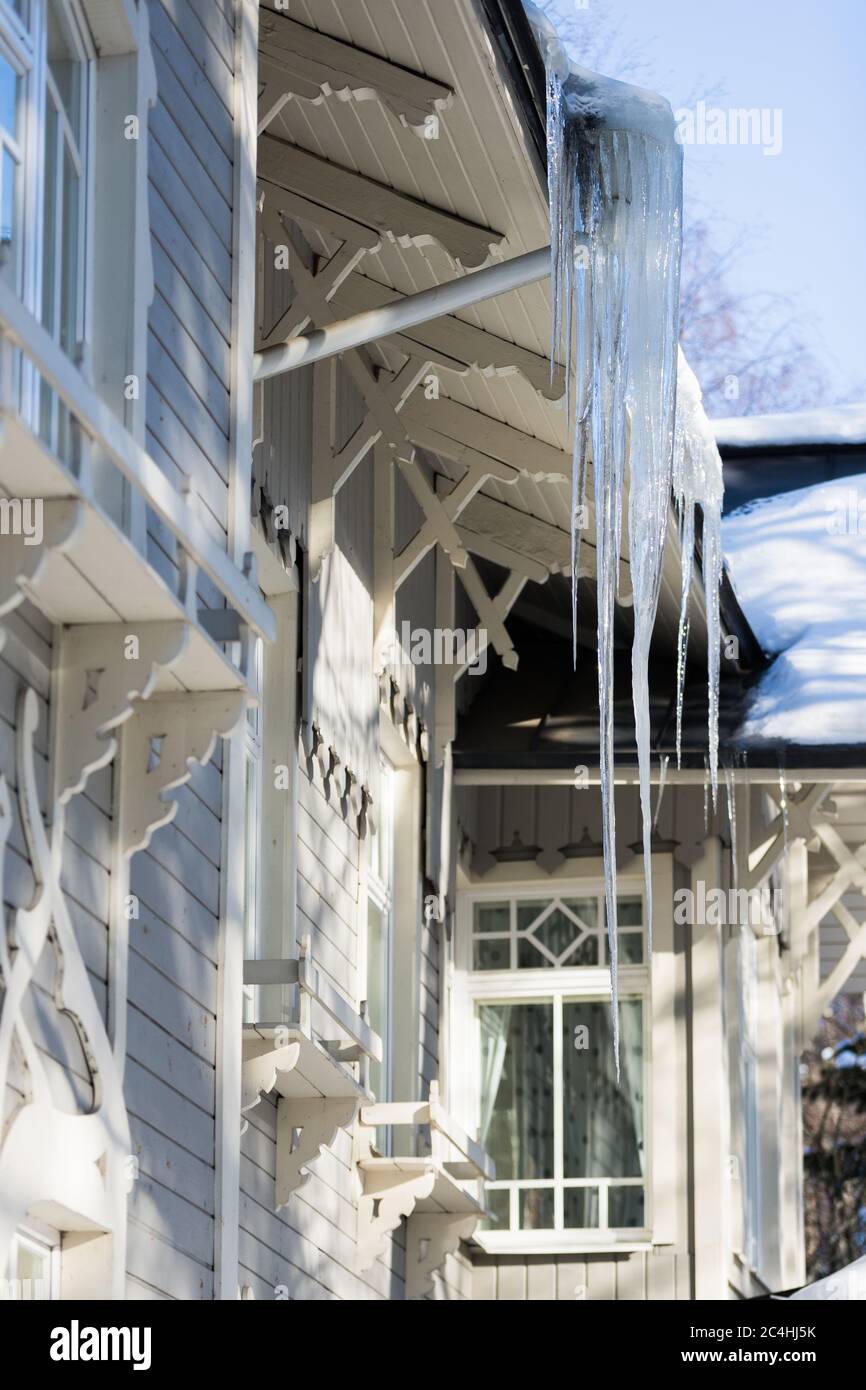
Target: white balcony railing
{"points": [[105, 551]]}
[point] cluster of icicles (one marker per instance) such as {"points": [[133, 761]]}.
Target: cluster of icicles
{"points": [[615, 192]]}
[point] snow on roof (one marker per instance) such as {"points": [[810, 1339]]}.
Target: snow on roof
{"points": [[597, 99], [834, 424], [798, 566]]}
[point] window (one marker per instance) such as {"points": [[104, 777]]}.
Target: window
{"points": [[34, 1264], [16, 58], [567, 1136], [64, 201], [46, 65], [380, 932]]}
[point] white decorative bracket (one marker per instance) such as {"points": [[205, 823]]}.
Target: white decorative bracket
{"points": [[304, 1129], [393, 1187], [387, 1198], [23, 557], [430, 1239], [262, 1074], [317, 1094], [65, 1166], [307, 1121], [161, 741], [102, 670]]}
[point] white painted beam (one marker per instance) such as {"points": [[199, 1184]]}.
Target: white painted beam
{"points": [[398, 315]]}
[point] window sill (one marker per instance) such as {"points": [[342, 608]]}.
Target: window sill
{"points": [[561, 1243]]}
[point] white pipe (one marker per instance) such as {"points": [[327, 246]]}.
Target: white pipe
{"points": [[391, 318]]}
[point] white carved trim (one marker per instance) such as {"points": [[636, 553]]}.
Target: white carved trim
{"points": [[304, 63], [72, 1165], [385, 210], [160, 742], [383, 1204], [97, 686], [430, 1238], [22, 564], [261, 1074], [304, 1129]]}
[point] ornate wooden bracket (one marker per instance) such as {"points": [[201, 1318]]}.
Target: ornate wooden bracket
{"points": [[161, 741], [102, 671], [53, 1162], [262, 1073], [430, 1239], [304, 1129], [304, 63], [24, 558], [386, 1199]]}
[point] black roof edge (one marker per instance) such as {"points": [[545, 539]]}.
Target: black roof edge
{"points": [[786, 757], [512, 34], [740, 451]]}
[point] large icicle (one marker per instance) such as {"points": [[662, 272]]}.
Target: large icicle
{"points": [[698, 483], [615, 185]]}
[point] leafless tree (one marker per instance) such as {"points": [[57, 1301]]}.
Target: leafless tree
{"points": [[834, 1136], [751, 352]]}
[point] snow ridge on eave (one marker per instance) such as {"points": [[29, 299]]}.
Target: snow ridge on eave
{"points": [[597, 99], [798, 565], [829, 425]]}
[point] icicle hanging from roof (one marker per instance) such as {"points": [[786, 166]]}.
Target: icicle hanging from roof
{"points": [[615, 176], [697, 482]]}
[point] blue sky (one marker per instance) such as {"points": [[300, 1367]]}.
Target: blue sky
{"points": [[803, 208]]}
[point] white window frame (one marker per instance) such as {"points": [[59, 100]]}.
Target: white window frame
{"points": [[556, 985], [81, 151], [45, 1241], [20, 47], [25, 46]]}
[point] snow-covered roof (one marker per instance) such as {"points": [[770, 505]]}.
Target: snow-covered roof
{"points": [[833, 424], [848, 1283], [798, 566]]}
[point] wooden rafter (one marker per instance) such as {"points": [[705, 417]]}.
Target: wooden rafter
{"points": [[458, 433], [452, 343], [383, 210], [384, 400], [300, 62]]}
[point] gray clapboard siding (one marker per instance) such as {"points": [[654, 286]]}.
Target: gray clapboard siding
{"points": [[166, 896], [188, 309], [180, 1224], [206, 228], [217, 19], [167, 225], [171, 953], [32, 646], [180, 856], [209, 440], [175, 338], [174, 442], [210, 93], [168, 1270], [213, 150], [202, 40], [180, 1066], [172, 1165], [169, 1112], [180, 1017]]}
